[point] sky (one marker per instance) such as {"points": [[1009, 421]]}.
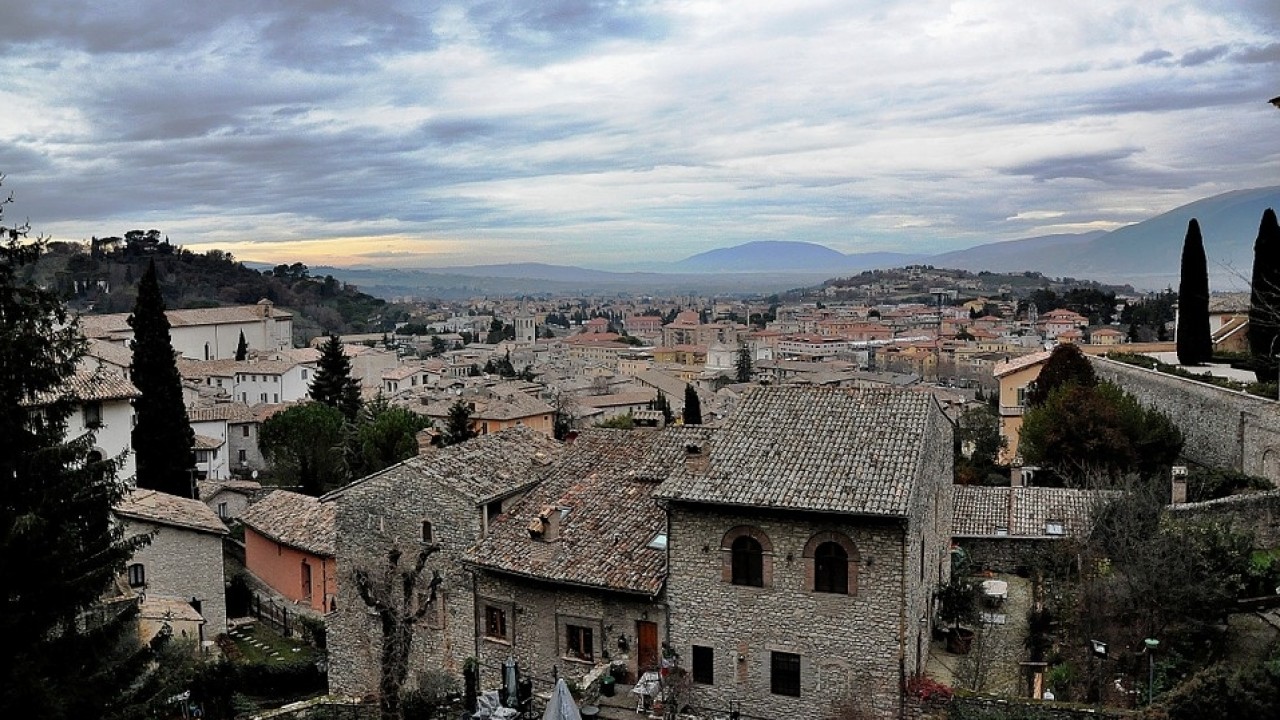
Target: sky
{"points": [[615, 134]]}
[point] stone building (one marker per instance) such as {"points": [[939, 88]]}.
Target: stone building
{"points": [[445, 499], [572, 575], [182, 565], [806, 538]]}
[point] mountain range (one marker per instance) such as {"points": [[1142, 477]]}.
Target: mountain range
{"points": [[1145, 255]]}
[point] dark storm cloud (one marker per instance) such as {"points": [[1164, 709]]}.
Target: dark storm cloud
{"points": [[1114, 167], [1201, 56], [1259, 54], [1153, 56]]}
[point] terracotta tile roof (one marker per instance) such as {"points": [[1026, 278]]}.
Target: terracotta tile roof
{"points": [[1023, 512], [296, 520], [634, 397], [113, 353], [104, 325], [209, 488], [482, 469], [845, 450], [232, 412], [90, 386], [205, 442], [165, 509], [603, 539], [1019, 363], [512, 406]]}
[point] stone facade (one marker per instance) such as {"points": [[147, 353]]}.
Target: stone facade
{"points": [[186, 564], [1258, 513], [1223, 428], [388, 510]]}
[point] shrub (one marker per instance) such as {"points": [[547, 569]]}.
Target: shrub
{"points": [[926, 688]]}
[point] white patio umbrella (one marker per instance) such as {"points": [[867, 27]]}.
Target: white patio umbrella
{"points": [[561, 705]]}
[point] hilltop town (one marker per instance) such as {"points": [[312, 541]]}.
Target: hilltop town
{"points": [[850, 500]]}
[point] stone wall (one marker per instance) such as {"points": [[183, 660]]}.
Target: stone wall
{"points": [[993, 707], [184, 564], [1006, 554], [373, 517], [1259, 512], [537, 619], [849, 645], [1223, 428]]}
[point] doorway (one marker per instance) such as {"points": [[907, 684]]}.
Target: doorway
{"points": [[646, 646]]}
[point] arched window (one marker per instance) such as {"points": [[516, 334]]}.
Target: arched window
{"points": [[831, 564], [748, 562], [831, 569], [137, 575]]}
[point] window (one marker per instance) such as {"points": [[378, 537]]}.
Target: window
{"points": [[659, 541], [704, 671], [578, 643], [495, 623], [748, 561], [784, 674], [222, 510], [137, 575], [831, 569], [244, 456], [1022, 397], [426, 531], [93, 415], [244, 431], [304, 373], [1054, 527], [263, 396]]}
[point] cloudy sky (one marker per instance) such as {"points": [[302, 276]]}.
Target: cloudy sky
{"points": [[609, 134]]}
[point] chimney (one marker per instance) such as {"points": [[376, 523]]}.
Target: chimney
{"points": [[696, 457], [1178, 488], [1015, 476]]}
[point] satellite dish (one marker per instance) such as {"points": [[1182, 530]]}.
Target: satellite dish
{"points": [[254, 474]]}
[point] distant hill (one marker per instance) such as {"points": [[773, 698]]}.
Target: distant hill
{"points": [[1033, 253], [786, 256]]}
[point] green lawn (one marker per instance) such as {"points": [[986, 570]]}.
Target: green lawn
{"points": [[262, 644]]}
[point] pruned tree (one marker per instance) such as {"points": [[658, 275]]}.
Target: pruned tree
{"points": [[692, 412], [1195, 345], [163, 442], [333, 384], [1264, 300], [393, 592]]}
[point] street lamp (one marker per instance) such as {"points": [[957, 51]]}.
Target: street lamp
{"points": [[1151, 644]]}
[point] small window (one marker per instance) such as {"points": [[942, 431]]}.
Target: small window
{"points": [[495, 623], [243, 456], [137, 575], [1054, 527], [704, 666], [426, 531], [93, 415], [659, 541], [222, 510], [264, 397], [579, 643], [244, 431], [1002, 530], [831, 569], [784, 674], [748, 561], [304, 373]]}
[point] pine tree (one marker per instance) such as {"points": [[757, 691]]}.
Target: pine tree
{"points": [[59, 549], [242, 349], [1066, 365], [457, 426], [1195, 345], [1264, 301], [742, 366], [333, 384], [692, 414], [162, 436]]}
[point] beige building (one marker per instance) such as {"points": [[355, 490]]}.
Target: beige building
{"points": [[1014, 376]]}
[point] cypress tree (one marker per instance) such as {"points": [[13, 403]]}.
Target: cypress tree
{"points": [[1195, 345], [59, 549], [692, 413], [242, 349], [333, 384], [742, 366], [162, 436], [1264, 300]]}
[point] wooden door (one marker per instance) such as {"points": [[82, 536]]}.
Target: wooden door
{"points": [[646, 645], [306, 580]]}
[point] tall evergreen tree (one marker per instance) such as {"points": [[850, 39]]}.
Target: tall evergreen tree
{"points": [[1066, 365], [457, 427], [692, 413], [742, 366], [333, 384], [59, 549], [162, 436], [1195, 345], [1264, 301], [242, 349]]}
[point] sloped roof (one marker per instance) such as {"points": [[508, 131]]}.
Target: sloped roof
{"points": [[482, 469], [296, 520], [1023, 511], [210, 488], [166, 509], [844, 450], [89, 386], [232, 412], [1019, 363], [602, 541], [108, 324]]}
